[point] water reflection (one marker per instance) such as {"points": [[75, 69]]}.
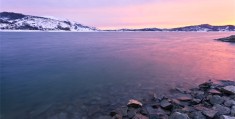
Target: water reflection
{"points": [[76, 75]]}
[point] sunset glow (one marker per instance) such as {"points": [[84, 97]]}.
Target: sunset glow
{"points": [[108, 14]]}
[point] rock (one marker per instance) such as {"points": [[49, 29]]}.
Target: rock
{"points": [[188, 109], [196, 101], [178, 115], [222, 110], [197, 115], [198, 94], [229, 103], [131, 113], [214, 91], [226, 117], [155, 113], [206, 85], [227, 39], [229, 89], [233, 111], [209, 113], [184, 97], [134, 103], [216, 100], [144, 111], [165, 104], [140, 116]]}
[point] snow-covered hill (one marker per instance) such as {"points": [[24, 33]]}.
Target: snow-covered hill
{"points": [[17, 21], [204, 28]]}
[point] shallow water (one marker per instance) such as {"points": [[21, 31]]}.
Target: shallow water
{"points": [[75, 75]]}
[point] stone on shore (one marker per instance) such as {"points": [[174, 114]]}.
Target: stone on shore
{"points": [[216, 100], [229, 89], [209, 101], [209, 113], [134, 103], [222, 110]]}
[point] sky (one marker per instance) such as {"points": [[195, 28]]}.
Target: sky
{"points": [[116, 14]]}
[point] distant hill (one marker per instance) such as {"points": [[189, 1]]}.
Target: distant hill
{"points": [[18, 21]]}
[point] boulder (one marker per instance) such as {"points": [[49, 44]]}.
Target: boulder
{"points": [[215, 99], [178, 115], [229, 89], [222, 110], [197, 115], [165, 104], [229, 103], [209, 113]]}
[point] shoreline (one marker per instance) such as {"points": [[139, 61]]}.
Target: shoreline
{"points": [[207, 101]]}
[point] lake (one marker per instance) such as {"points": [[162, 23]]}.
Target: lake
{"points": [[49, 75]]}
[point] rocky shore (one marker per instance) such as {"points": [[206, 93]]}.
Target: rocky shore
{"points": [[207, 101], [227, 39]]}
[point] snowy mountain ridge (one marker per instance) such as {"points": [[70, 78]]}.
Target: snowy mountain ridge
{"points": [[17, 21]]}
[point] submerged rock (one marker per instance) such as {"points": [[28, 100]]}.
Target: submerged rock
{"points": [[228, 39]]}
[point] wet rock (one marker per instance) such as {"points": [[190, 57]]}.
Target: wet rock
{"points": [[178, 115], [216, 100], [209, 113], [165, 104], [227, 39], [229, 89], [222, 110], [134, 103], [226, 117], [197, 115]]}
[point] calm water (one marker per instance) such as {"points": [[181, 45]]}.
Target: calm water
{"points": [[75, 75]]}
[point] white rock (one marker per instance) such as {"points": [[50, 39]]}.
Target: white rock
{"points": [[133, 102]]}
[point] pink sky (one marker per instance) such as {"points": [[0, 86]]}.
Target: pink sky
{"points": [[110, 14]]}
